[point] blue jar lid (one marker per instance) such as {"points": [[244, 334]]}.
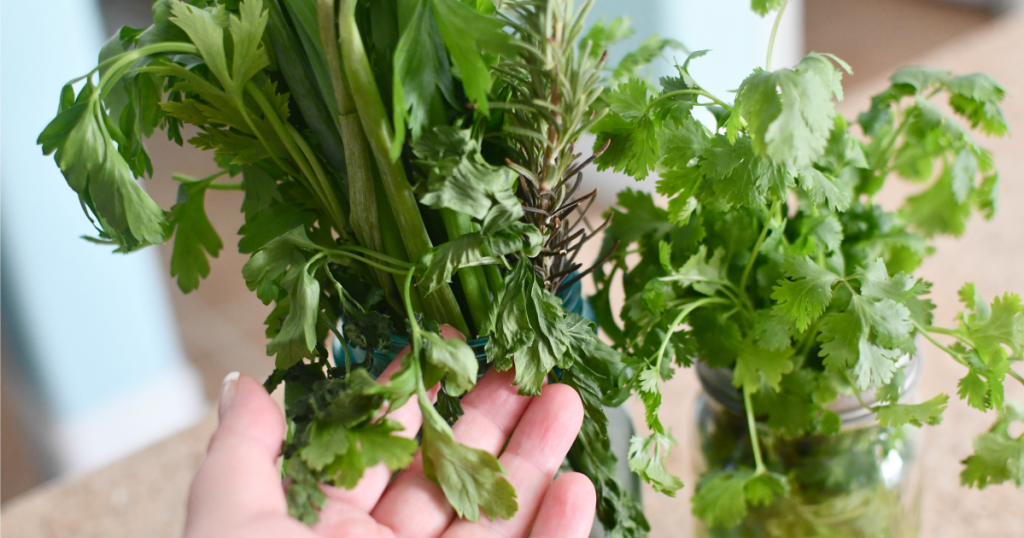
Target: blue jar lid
{"points": [[572, 299]]}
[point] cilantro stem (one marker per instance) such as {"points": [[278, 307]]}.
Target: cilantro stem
{"points": [[752, 426], [775, 30], [685, 311], [371, 263], [924, 332], [700, 92], [1016, 376], [757, 246]]}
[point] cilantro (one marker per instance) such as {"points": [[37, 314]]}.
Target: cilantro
{"points": [[646, 458], [929, 412], [998, 456], [805, 295]]}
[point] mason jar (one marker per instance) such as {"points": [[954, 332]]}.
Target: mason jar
{"points": [[863, 482]]}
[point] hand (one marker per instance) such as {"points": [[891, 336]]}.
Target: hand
{"points": [[237, 491]]}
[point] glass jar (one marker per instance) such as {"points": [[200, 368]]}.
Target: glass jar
{"points": [[863, 482]]}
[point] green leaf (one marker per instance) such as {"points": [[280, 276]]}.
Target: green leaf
{"points": [[875, 365], [763, 489], [440, 263], [930, 412], [756, 366], [527, 328], [1002, 326], [804, 297], [770, 331], [468, 34], [998, 457], [977, 97], [454, 357], [422, 75], [720, 500], [296, 339], [603, 34], [83, 142], [459, 178], [470, 478], [305, 498], [651, 48], [790, 112], [764, 7], [840, 340], [647, 459], [194, 236], [824, 189], [704, 274], [919, 79]]}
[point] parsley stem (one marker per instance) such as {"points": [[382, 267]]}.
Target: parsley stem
{"points": [[752, 426], [775, 30], [123, 62], [757, 246]]}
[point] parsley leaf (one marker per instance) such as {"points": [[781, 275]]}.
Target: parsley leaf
{"points": [[194, 235], [470, 478]]}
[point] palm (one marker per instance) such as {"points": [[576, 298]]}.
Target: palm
{"points": [[237, 491]]}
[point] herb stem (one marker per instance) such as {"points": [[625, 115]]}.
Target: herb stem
{"points": [[685, 311], [752, 426], [441, 305], [775, 31], [1016, 376], [226, 186], [924, 332], [124, 61], [700, 92], [757, 246]]}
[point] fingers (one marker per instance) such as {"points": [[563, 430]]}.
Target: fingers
{"points": [[535, 451], [567, 510], [413, 506], [239, 480]]}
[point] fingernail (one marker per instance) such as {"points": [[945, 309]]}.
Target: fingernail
{"points": [[228, 390]]}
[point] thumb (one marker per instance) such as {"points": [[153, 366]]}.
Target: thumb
{"points": [[239, 479]]}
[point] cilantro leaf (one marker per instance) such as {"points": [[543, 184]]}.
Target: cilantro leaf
{"points": [[977, 97], [756, 366], [840, 340], [896, 414], [764, 7], [875, 365], [998, 457], [441, 262], [704, 274], [647, 459], [789, 112], [805, 296], [720, 499]]}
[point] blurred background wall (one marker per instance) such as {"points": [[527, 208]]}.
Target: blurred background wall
{"points": [[50, 346]]}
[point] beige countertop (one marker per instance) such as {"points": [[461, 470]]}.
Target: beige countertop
{"points": [[144, 495]]}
